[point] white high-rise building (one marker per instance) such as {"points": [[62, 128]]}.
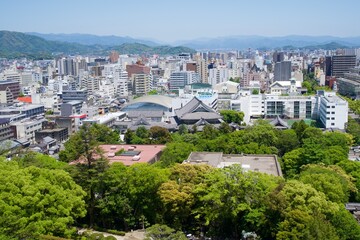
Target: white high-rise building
{"points": [[121, 81], [218, 75]]}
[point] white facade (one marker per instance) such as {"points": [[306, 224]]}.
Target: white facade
{"points": [[333, 111], [218, 75], [180, 79], [26, 129]]}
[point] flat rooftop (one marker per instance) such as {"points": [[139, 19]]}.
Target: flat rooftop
{"points": [[132, 153], [252, 162]]}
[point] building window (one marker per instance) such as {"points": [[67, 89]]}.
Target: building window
{"points": [[332, 124]]}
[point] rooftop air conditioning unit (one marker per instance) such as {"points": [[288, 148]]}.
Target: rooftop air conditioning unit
{"points": [[111, 154], [130, 149], [113, 147], [136, 158]]}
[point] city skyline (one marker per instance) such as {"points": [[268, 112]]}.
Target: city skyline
{"points": [[169, 22]]}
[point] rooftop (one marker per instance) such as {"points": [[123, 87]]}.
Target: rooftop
{"points": [[132, 153], [257, 163]]}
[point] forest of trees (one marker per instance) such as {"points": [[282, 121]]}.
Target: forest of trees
{"points": [[42, 197]]}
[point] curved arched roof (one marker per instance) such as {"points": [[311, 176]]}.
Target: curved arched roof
{"points": [[157, 99]]}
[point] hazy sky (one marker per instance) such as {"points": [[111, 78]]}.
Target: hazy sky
{"points": [[170, 20]]}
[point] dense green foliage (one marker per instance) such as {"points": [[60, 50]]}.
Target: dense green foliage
{"points": [[36, 201], [168, 198], [16, 44]]}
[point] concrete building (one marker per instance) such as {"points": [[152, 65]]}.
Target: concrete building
{"points": [[5, 130], [75, 95], [181, 78], [349, 84], [341, 64], [218, 75], [131, 154], [25, 129], [141, 84], [249, 162], [9, 91], [71, 108], [333, 112], [282, 71], [60, 134]]}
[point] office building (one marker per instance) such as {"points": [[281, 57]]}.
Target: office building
{"points": [[282, 71], [180, 79], [333, 111], [341, 64], [74, 95]]}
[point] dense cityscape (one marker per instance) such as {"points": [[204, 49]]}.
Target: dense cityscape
{"points": [[241, 137]]}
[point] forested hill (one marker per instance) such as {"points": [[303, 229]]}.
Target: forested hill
{"points": [[16, 44]]}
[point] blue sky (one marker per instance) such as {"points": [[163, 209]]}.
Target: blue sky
{"points": [[171, 20]]}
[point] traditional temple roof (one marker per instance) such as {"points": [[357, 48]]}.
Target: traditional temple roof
{"points": [[141, 121], [196, 109], [279, 123], [201, 122]]}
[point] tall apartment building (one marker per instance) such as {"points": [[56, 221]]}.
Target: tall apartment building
{"points": [[141, 84], [218, 75], [278, 57], [181, 78], [202, 69], [282, 71], [121, 81]]}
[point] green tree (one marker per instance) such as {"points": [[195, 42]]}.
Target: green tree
{"points": [[231, 200], [129, 136], [330, 180], [286, 141], [143, 182], [298, 211], [39, 160], [353, 128], [209, 132], [183, 129], [163, 232], [37, 201], [347, 227], [176, 152], [299, 128], [142, 132], [177, 194], [225, 128], [90, 165], [87, 138], [159, 135], [230, 116]]}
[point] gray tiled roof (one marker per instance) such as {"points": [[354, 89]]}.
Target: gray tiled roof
{"points": [[199, 115], [136, 114], [194, 105], [278, 122]]}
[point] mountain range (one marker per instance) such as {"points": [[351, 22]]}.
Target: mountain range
{"points": [[262, 42], [16, 44], [39, 45], [221, 43]]}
